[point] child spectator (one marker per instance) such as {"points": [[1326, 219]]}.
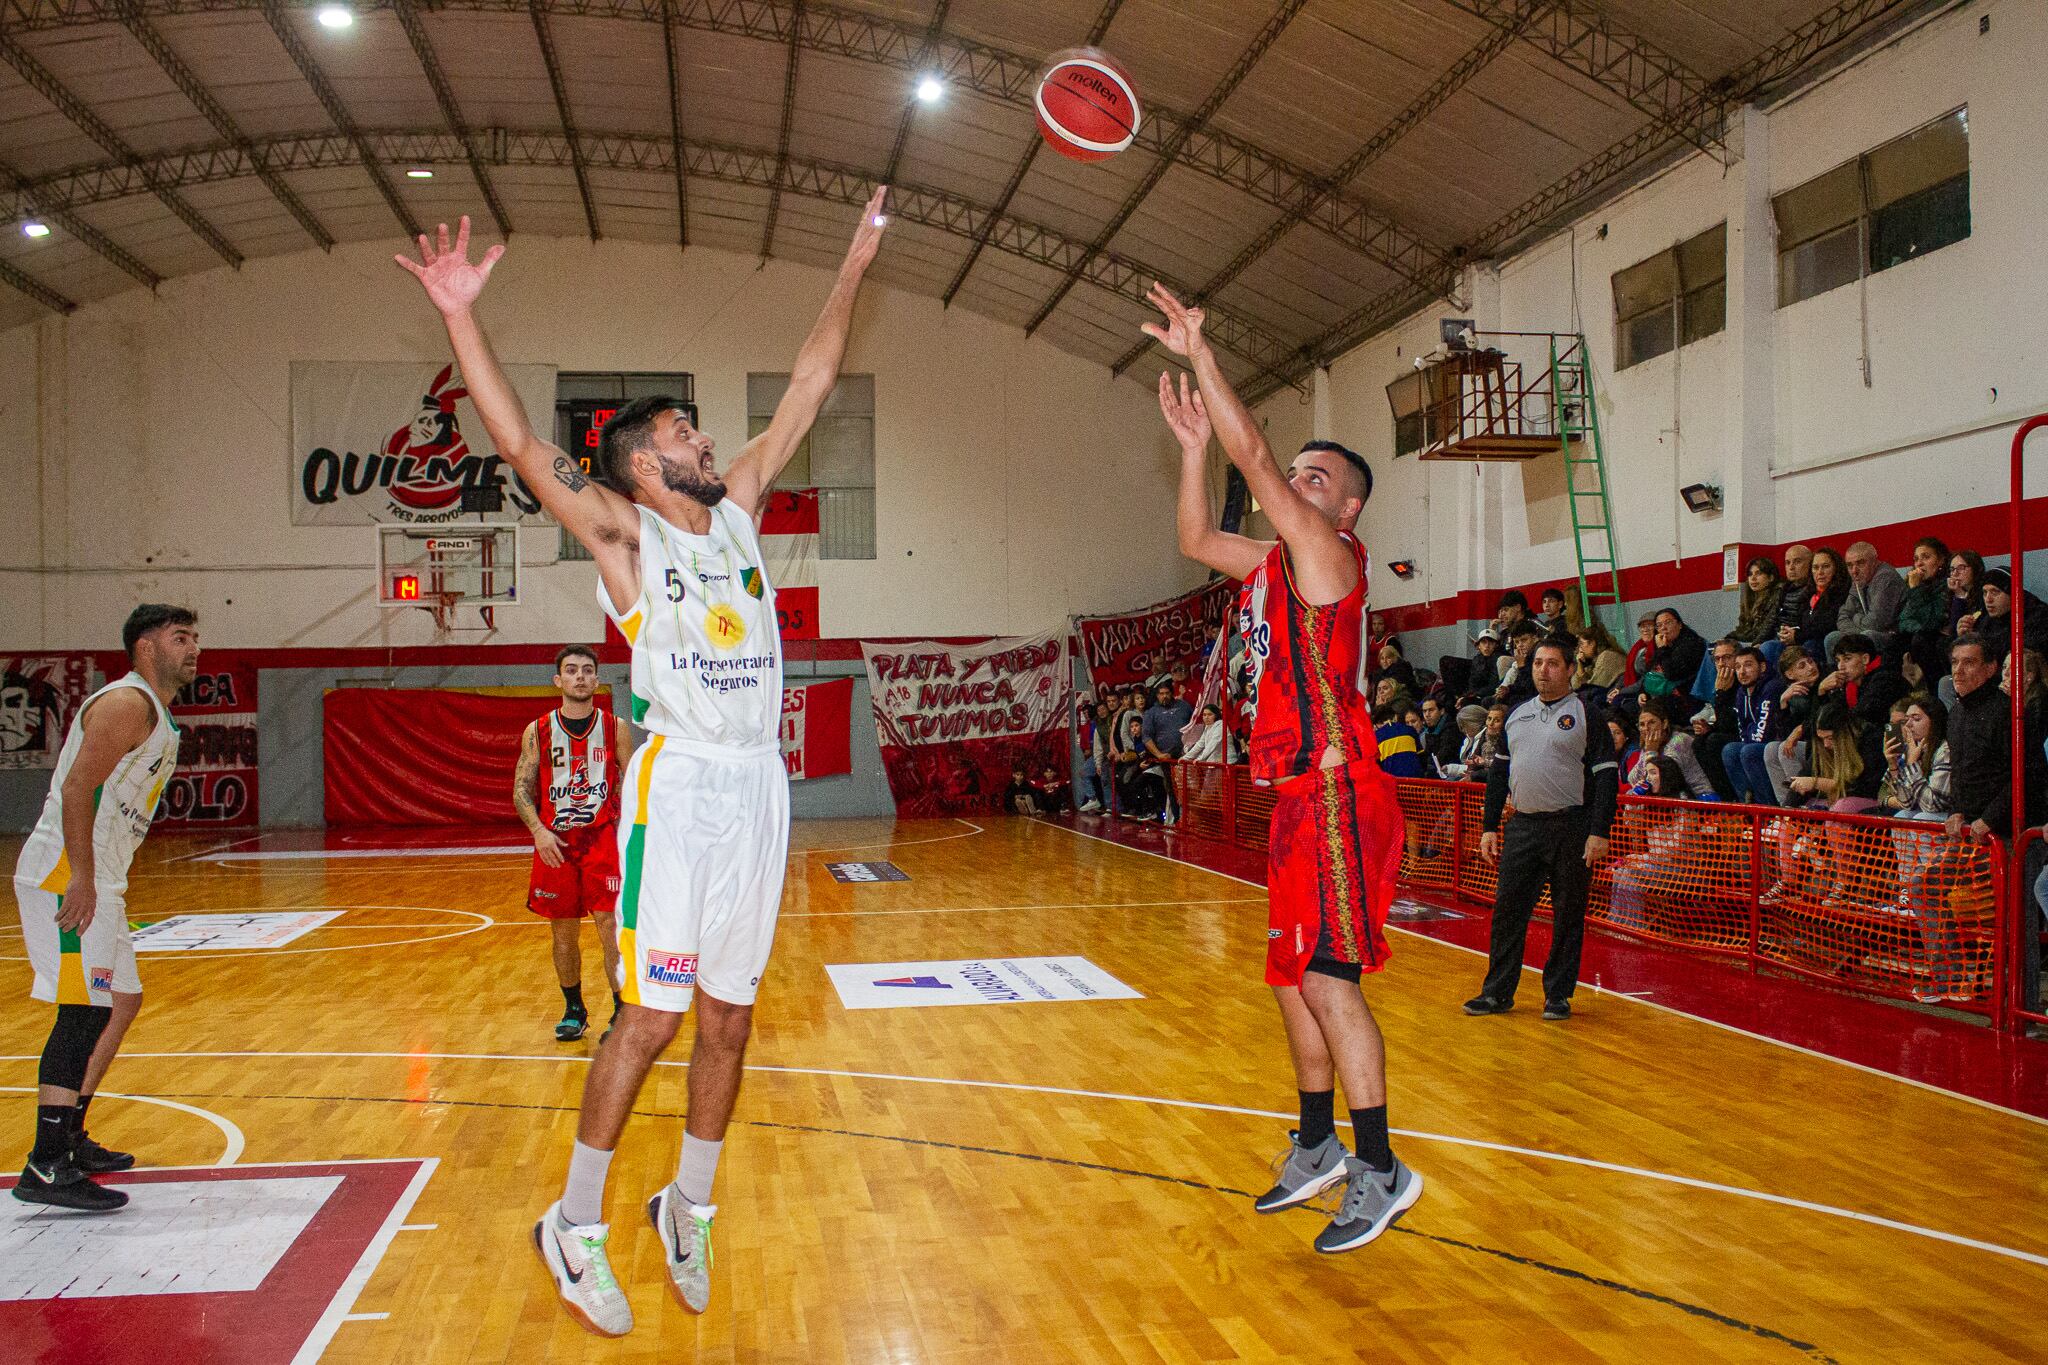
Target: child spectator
{"points": [[1551, 618], [1785, 754], [1020, 797], [1626, 750], [1051, 791], [1400, 744], [1916, 761], [1486, 662]]}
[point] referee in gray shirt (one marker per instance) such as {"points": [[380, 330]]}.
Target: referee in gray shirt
{"points": [[1557, 762]]}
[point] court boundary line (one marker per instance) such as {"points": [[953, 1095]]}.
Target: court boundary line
{"points": [[1207, 1106], [483, 922], [321, 1336], [972, 830], [236, 1143], [1648, 1004]]}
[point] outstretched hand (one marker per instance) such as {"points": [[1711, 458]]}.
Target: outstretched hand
{"points": [[1182, 333], [1185, 413], [867, 238], [452, 283]]}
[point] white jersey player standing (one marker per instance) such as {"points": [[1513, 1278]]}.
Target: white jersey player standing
{"points": [[704, 832]]}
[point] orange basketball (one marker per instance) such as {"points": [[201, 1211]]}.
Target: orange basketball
{"points": [[1087, 106]]}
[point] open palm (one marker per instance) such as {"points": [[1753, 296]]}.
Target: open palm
{"points": [[451, 282]]}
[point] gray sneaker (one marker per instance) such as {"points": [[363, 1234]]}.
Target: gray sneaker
{"points": [[685, 1231], [583, 1276], [1304, 1173], [1371, 1204]]}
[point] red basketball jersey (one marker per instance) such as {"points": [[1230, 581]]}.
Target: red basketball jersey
{"points": [[579, 778], [1306, 665]]}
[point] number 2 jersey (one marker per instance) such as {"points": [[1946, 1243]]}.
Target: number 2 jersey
{"points": [[707, 655], [579, 775]]}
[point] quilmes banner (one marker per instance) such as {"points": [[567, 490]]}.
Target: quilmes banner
{"points": [[952, 720], [817, 728], [400, 443], [39, 694], [215, 785], [1132, 647]]}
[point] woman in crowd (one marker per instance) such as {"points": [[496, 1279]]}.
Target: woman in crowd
{"points": [[1844, 764], [1916, 761], [1471, 723], [1923, 611], [1394, 664], [1756, 613], [1965, 595], [1785, 749], [1626, 750], [1601, 664], [1207, 746], [1661, 739], [1823, 607]]}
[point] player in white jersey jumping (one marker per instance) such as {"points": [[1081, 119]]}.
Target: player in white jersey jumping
{"points": [[72, 885], [705, 828]]}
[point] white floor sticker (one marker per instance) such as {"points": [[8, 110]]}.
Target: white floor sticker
{"points": [[976, 981], [209, 933], [175, 1237]]}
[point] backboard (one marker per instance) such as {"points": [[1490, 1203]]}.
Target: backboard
{"points": [[455, 564]]}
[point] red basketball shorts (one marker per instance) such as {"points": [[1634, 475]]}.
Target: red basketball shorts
{"points": [[1331, 864], [587, 882]]}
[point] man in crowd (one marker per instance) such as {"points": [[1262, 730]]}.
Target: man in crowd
{"points": [[1486, 662], [1867, 682], [1552, 616], [1742, 717], [1875, 593], [1164, 720], [1714, 727], [1440, 737], [1798, 588], [1516, 685]]}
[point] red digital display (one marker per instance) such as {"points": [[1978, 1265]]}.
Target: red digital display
{"points": [[405, 587]]}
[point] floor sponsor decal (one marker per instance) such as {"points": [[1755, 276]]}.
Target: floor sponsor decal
{"points": [[1412, 912], [974, 981], [866, 872], [212, 933]]}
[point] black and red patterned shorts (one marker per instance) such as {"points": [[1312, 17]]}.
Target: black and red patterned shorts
{"points": [[1331, 864]]}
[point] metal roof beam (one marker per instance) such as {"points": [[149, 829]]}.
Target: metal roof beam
{"points": [[275, 13], [423, 48], [675, 121], [93, 126], [796, 28], [553, 61], [932, 31], [1509, 26], [1275, 25], [27, 200], [202, 99], [36, 289], [653, 155]]}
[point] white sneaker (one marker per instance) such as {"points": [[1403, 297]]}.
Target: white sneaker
{"points": [[1090, 807], [583, 1275], [685, 1231]]}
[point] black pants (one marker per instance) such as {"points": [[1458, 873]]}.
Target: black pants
{"points": [[1539, 849]]}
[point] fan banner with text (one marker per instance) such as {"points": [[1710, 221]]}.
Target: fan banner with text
{"points": [[1126, 649], [39, 694], [953, 720], [215, 785], [817, 729], [789, 547]]}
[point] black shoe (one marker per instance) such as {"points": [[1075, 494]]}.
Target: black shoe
{"points": [[1557, 1009], [94, 1159], [1486, 1004], [572, 1027], [61, 1185]]}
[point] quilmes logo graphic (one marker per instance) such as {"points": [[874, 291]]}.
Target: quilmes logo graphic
{"points": [[927, 983], [422, 468]]}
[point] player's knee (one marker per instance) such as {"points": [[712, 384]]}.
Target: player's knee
{"points": [[646, 1030], [72, 1039], [723, 1027]]}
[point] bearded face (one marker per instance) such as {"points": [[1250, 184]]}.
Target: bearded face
{"points": [[693, 479]]}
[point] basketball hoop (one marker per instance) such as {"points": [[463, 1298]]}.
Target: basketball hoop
{"points": [[443, 608]]}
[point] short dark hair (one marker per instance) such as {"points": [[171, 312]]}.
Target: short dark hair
{"points": [[1525, 627], [629, 429], [1751, 652], [1349, 456], [1565, 646], [1980, 641], [571, 651], [1855, 642], [1513, 597], [1671, 612], [1549, 593], [1937, 544], [153, 616]]}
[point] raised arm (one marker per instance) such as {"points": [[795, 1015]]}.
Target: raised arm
{"points": [[1324, 567], [1232, 555], [603, 520], [112, 728], [812, 376]]}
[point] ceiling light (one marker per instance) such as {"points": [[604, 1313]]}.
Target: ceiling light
{"points": [[929, 88], [334, 16], [35, 229], [419, 173], [881, 220]]}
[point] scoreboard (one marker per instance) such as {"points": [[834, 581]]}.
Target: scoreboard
{"points": [[587, 417]]}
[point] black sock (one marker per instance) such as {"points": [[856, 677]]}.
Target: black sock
{"points": [[573, 995], [1369, 1136], [78, 1115], [53, 1132], [1318, 1117]]}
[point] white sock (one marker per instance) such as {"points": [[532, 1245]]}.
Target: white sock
{"points": [[583, 1196], [697, 1168]]}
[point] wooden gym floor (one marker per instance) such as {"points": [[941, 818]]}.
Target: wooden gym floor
{"points": [[1024, 1182]]}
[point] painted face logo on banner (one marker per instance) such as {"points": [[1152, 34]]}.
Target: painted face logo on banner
{"points": [[432, 443]]}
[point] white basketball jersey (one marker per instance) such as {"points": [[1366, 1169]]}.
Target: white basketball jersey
{"points": [[707, 655], [124, 804]]}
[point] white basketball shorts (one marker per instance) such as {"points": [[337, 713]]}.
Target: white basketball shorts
{"points": [[77, 969], [702, 849]]}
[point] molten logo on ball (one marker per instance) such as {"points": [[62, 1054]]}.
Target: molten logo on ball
{"points": [[1087, 106]]}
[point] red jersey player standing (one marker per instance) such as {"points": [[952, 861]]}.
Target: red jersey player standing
{"points": [[1337, 831], [567, 792]]}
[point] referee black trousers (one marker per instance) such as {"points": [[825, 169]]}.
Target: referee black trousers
{"points": [[1539, 850]]}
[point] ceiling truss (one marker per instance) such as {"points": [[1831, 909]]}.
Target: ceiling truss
{"points": [[444, 95], [789, 70]]}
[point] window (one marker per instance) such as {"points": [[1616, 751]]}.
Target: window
{"points": [[577, 422], [1673, 299], [1419, 402], [837, 458], [1892, 204]]}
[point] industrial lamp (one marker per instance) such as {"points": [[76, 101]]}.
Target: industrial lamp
{"points": [[1701, 497]]}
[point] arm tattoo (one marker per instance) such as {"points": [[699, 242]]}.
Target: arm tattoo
{"points": [[525, 780], [570, 474]]}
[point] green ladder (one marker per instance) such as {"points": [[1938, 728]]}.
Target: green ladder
{"points": [[1575, 416]]}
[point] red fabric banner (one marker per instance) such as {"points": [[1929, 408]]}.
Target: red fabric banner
{"points": [[424, 757], [952, 720], [789, 545], [1131, 648], [817, 729], [215, 785]]}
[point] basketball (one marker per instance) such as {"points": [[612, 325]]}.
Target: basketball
{"points": [[1087, 106]]}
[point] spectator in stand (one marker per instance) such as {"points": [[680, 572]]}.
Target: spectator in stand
{"points": [[1440, 737], [1626, 750], [1871, 607], [1917, 767], [1516, 686], [1748, 708], [1676, 662], [1020, 797], [1822, 603], [1552, 615], [1965, 592], [1923, 611], [1389, 692], [1638, 661], [1659, 738], [1681, 850], [1161, 728], [1486, 661], [1756, 611], [1394, 664], [1714, 726], [1864, 680], [1471, 723], [1140, 786], [1479, 755], [1844, 764], [1716, 669], [1785, 754], [1207, 745], [1598, 663], [1793, 590], [1090, 792], [1510, 611], [1051, 791], [1400, 745], [1994, 622], [1103, 748]]}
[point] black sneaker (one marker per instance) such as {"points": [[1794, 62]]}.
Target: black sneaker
{"points": [[94, 1159], [573, 1026], [1557, 1009], [1486, 1004], [61, 1185]]}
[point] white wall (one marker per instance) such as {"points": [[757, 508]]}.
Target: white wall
{"points": [[1945, 330], [146, 440]]}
